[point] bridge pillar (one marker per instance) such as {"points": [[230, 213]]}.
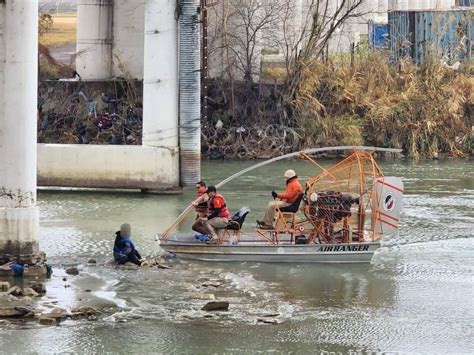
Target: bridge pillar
{"points": [[110, 39], [18, 85], [128, 37], [160, 81], [94, 39]]}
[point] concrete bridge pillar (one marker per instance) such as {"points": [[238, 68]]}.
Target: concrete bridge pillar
{"points": [[18, 85], [110, 39], [128, 37], [160, 81], [94, 39]]}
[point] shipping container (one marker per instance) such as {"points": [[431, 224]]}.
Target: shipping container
{"points": [[378, 35], [447, 35]]}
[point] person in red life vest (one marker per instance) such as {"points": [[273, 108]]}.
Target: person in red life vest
{"points": [[217, 218], [201, 206], [285, 199]]}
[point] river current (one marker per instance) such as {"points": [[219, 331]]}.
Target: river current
{"points": [[416, 295]]}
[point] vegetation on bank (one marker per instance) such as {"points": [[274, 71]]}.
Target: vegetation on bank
{"points": [[426, 110]]}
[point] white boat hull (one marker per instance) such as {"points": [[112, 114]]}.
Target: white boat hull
{"points": [[258, 251]]}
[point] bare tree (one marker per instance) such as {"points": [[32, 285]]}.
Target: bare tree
{"points": [[321, 20], [300, 29]]}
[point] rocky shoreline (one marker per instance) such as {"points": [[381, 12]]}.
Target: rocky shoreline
{"points": [[68, 295]]}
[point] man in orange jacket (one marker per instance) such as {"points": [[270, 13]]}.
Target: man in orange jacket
{"points": [[285, 199]]}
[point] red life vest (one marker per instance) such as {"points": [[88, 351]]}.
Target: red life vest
{"points": [[218, 202]]}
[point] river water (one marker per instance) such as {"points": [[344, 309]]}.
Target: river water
{"points": [[416, 296]]}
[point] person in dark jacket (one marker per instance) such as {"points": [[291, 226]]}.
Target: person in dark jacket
{"points": [[124, 249]]}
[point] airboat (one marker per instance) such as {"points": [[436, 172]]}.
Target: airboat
{"points": [[341, 217]]}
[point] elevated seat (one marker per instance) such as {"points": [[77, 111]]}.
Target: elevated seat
{"points": [[293, 208], [285, 222], [286, 218]]}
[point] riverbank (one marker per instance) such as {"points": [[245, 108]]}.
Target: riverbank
{"points": [[427, 111]]}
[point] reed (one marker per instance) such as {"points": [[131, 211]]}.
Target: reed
{"points": [[426, 110]]}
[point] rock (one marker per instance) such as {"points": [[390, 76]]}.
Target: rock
{"points": [[56, 313], [92, 261], [29, 292], [87, 290], [267, 321], [216, 306], [15, 291], [271, 315], [212, 283], [11, 298], [44, 320], [64, 279], [4, 286], [163, 266], [84, 312], [72, 271], [39, 287], [27, 312], [13, 312], [203, 296]]}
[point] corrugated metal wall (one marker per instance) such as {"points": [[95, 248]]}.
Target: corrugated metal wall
{"points": [[443, 34]]}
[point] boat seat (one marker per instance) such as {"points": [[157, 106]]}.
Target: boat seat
{"points": [[286, 218], [236, 222], [293, 208]]}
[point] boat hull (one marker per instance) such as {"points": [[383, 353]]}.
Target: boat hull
{"points": [[257, 251]]}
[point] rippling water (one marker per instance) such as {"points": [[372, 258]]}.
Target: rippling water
{"points": [[416, 296]]}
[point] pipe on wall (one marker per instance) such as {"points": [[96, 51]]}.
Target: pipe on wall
{"points": [[189, 92]]}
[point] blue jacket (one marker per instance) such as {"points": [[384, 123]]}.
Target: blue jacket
{"points": [[123, 246]]}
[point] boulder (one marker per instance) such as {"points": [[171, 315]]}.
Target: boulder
{"points": [[203, 296], [84, 312], [4, 286], [13, 312], [72, 271], [45, 320], [212, 283], [11, 298], [216, 306], [39, 287], [92, 261], [15, 291], [56, 313], [29, 292]]}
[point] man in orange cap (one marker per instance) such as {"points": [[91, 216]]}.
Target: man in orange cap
{"points": [[292, 191]]}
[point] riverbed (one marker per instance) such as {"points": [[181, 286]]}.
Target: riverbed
{"points": [[416, 295]]}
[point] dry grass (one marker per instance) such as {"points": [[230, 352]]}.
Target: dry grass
{"points": [[426, 110], [63, 31]]}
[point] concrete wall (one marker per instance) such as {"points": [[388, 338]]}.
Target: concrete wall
{"points": [[128, 38], [97, 166]]}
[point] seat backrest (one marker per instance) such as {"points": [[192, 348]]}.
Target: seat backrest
{"points": [[293, 208], [240, 215]]}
